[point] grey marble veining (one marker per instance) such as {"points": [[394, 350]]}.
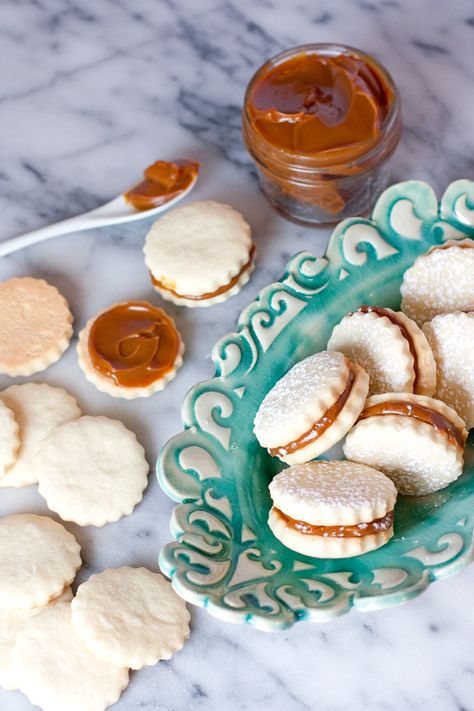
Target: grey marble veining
{"points": [[90, 91]]}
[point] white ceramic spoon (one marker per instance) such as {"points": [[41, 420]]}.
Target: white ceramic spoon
{"points": [[114, 212]]}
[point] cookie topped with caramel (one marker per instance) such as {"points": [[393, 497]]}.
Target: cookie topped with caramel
{"points": [[132, 349]]}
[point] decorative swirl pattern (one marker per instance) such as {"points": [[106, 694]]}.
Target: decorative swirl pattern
{"points": [[224, 556]]}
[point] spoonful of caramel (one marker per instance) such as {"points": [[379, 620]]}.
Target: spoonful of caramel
{"points": [[164, 184]]}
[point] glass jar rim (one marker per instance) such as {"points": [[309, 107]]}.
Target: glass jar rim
{"points": [[311, 163]]}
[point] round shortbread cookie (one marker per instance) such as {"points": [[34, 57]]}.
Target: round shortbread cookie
{"points": [[197, 250], [107, 384], [451, 337], [418, 457], [11, 622], [57, 671], [304, 396], [35, 325], [91, 471], [440, 281], [391, 349], [9, 438], [38, 558], [331, 494], [130, 617], [38, 409]]}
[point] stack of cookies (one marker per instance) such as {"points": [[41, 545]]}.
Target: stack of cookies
{"points": [[399, 387], [90, 470], [75, 653]]}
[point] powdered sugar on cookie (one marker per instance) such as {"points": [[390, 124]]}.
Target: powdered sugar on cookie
{"points": [[440, 281], [336, 493], [300, 398], [451, 337]]}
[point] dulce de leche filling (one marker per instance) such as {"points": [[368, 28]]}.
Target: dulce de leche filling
{"points": [[316, 104], [162, 181], [357, 530], [425, 414], [404, 331], [320, 426], [134, 344], [210, 294]]}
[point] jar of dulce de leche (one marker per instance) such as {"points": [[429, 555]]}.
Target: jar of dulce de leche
{"points": [[321, 122]]}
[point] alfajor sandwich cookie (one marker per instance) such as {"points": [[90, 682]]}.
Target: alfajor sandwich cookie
{"points": [[416, 440], [390, 347], [311, 407], [335, 509], [451, 337], [199, 254], [440, 281]]}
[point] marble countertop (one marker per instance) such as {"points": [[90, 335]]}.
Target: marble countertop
{"points": [[90, 92]]}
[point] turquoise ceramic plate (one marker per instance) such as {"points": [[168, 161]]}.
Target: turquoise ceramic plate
{"points": [[224, 556]]}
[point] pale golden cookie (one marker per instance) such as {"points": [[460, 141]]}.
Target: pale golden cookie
{"points": [[91, 470], [39, 408], [9, 439], [38, 558], [35, 325], [130, 617], [451, 337], [440, 281], [57, 671], [11, 622]]}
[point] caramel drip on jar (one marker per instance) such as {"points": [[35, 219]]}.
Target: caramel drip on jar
{"points": [[134, 344], [210, 294], [357, 530], [320, 426]]}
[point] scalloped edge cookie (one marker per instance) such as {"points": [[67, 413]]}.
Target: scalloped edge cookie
{"points": [[415, 454], [197, 250], [35, 325], [91, 470], [38, 559], [390, 347], [303, 398], [39, 408], [130, 616], [439, 281], [11, 622], [451, 337], [55, 669], [106, 385], [9, 438], [336, 494]]}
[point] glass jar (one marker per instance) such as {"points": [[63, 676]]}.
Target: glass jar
{"points": [[323, 186]]}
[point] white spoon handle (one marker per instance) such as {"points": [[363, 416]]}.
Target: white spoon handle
{"points": [[72, 224]]}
